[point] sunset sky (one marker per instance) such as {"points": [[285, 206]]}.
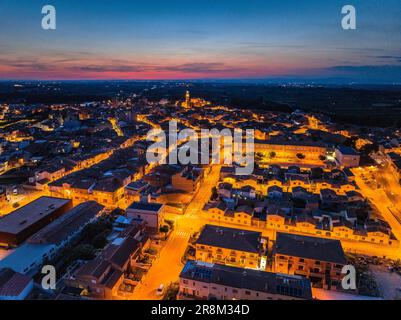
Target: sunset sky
{"points": [[201, 39]]}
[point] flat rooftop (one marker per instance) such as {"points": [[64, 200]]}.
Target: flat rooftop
{"points": [[154, 207], [31, 213], [348, 151], [22, 258]]}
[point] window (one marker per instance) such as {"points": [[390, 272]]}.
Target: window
{"points": [[248, 293]]}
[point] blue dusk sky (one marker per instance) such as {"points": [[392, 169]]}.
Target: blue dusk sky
{"points": [[201, 39]]}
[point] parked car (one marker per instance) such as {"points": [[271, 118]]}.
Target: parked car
{"points": [[15, 190]]}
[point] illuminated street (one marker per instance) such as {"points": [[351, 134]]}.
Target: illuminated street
{"points": [[166, 268], [385, 196]]}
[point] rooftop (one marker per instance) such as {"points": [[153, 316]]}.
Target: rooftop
{"points": [[60, 229], [235, 239], [347, 151], [155, 207], [254, 280], [23, 256], [310, 248], [12, 283], [31, 213]]}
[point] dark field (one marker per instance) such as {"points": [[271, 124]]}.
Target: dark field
{"points": [[363, 105]]}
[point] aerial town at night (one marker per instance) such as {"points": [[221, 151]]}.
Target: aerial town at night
{"points": [[304, 205], [83, 198]]}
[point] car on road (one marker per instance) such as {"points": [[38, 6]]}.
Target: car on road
{"points": [[15, 190]]}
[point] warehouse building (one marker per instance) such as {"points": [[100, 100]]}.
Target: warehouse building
{"points": [[20, 224]]}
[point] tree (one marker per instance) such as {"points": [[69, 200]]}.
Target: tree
{"points": [[317, 173], [172, 291], [164, 229], [100, 241], [259, 155], [351, 142], [170, 223], [84, 252], [151, 251], [367, 149], [117, 212], [214, 193], [98, 227]]}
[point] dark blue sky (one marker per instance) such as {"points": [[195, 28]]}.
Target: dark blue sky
{"points": [[201, 39]]}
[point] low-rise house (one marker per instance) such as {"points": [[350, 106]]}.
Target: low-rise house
{"points": [[299, 192], [102, 277], [224, 190], [243, 215], [353, 196], [133, 190], [343, 229], [151, 213], [14, 285], [378, 231], [275, 218], [248, 192], [275, 192], [305, 223], [188, 179]]}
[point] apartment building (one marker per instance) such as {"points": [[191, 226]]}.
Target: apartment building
{"points": [[230, 246], [200, 280], [347, 157], [318, 259], [291, 149]]}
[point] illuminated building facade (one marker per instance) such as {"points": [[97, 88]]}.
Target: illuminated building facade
{"points": [[320, 260], [199, 280], [230, 246]]}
